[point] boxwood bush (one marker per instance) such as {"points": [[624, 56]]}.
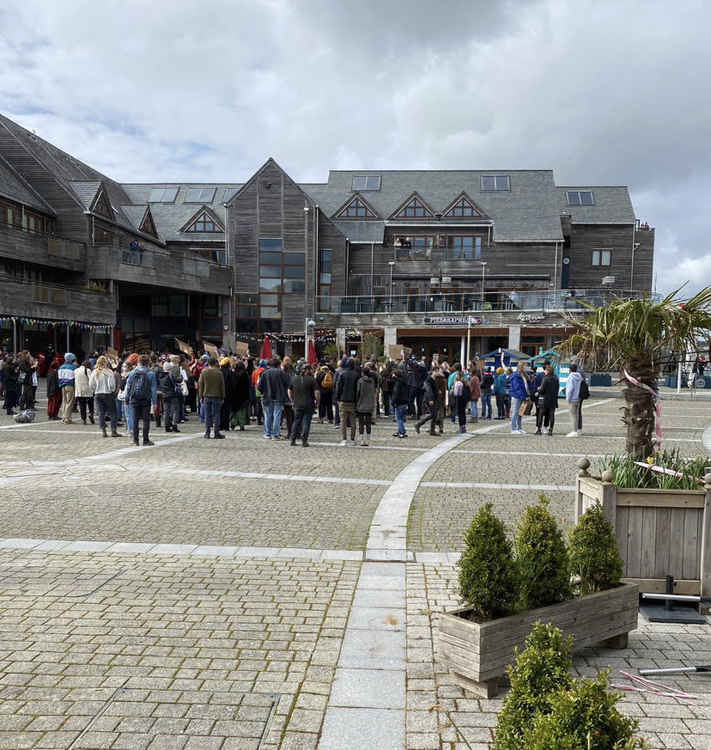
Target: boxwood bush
{"points": [[488, 577], [593, 552], [542, 558]]}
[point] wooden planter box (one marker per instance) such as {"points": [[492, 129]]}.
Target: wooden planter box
{"points": [[477, 653], [658, 532]]}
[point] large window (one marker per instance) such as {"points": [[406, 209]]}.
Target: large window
{"points": [[417, 247], [204, 223], [491, 182], [356, 209], [462, 208], [279, 273], [580, 198], [462, 248], [366, 182], [414, 208], [325, 274], [601, 257]]}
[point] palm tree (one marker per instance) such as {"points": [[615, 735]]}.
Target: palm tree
{"points": [[635, 333]]}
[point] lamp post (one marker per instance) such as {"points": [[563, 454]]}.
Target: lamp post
{"points": [[391, 263], [308, 323], [483, 270]]}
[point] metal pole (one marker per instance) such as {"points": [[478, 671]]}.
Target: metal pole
{"points": [[678, 376], [67, 349], [483, 269], [469, 333], [306, 338], [14, 336]]}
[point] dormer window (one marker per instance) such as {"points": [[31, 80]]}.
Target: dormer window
{"points": [[366, 182], [356, 208], [580, 198], [204, 222], [414, 208], [462, 208]]}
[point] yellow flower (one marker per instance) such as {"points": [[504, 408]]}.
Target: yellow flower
{"points": [[650, 460]]}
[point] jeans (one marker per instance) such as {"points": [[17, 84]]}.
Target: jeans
{"points": [[141, 412], [272, 419], [400, 412], [86, 403], [486, 404], [474, 408], [106, 406], [302, 424], [431, 415], [172, 411], [128, 414], [575, 416], [515, 419], [212, 406], [500, 405]]}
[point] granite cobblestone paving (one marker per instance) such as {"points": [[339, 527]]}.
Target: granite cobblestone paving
{"points": [[237, 650]]}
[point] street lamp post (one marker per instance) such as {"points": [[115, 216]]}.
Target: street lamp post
{"points": [[308, 323], [483, 270], [391, 263]]}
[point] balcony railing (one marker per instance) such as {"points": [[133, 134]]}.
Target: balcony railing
{"points": [[548, 301]]}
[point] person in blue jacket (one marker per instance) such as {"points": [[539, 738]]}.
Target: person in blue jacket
{"points": [[66, 383], [141, 394], [520, 391]]}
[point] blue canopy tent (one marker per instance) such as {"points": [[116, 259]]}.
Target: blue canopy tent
{"points": [[510, 357]]}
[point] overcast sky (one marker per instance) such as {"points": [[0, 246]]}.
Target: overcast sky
{"points": [[602, 93]]}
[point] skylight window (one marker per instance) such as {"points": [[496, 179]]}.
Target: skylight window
{"points": [[366, 182], [200, 195], [580, 198], [491, 182], [163, 195]]}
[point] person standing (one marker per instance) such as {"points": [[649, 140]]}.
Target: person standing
{"points": [[400, 401], [26, 376], [66, 383], [430, 399], [168, 390], [365, 404], [547, 400], [305, 393], [500, 393], [440, 379], [241, 400], [475, 395], [461, 393], [346, 395], [572, 396], [211, 389], [54, 393], [324, 378], [487, 383], [141, 394], [274, 386], [519, 393], [83, 393], [102, 383]]}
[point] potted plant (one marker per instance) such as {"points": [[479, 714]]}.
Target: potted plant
{"points": [[546, 709], [506, 594]]}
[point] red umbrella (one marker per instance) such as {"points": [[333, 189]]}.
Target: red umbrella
{"points": [[311, 357], [266, 352]]}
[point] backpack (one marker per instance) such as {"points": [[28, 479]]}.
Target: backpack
{"points": [[140, 387], [23, 417], [327, 381], [458, 388], [487, 380], [584, 390]]}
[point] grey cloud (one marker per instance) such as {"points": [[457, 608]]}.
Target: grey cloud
{"points": [[604, 93]]}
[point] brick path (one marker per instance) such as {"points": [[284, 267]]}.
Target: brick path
{"points": [[230, 641]]}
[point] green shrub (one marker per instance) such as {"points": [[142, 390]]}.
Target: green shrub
{"points": [[488, 578], [627, 474], [542, 558], [540, 670], [583, 717], [593, 552]]}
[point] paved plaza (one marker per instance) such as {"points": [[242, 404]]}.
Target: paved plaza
{"points": [[245, 594]]}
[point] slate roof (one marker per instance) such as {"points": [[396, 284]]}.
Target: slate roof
{"points": [[12, 186], [612, 205], [529, 211], [170, 218]]}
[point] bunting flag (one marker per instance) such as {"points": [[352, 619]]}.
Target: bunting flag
{"points": [[46, 323]]}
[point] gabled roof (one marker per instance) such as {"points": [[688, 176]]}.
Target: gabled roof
{"points": [[13, 187], [612, 205], [465, 200], [101, 205], [419, 201], [528, 212], [371, 213], [147, 225], [204, 210]]}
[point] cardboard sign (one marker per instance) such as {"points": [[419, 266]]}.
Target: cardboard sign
{"points": [[396, 351], [241, 349], [211, 349], [113, 356], [184, 348]]}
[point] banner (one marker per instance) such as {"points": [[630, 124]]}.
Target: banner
{"points": [[184, 348], [241, 349], [396, 351], [113, 356], [211, 349]]}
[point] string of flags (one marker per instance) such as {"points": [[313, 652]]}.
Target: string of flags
{"points": [[45, 323]]}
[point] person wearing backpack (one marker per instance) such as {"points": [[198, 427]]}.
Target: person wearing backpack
{"points": [[462, 395], [572, 396], [487, 383], [141, 393], [324, 380], [168, 388]]}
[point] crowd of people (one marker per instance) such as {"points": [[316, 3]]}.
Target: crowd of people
{"points": [[231, 392]]}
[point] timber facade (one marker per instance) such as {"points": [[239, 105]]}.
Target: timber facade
{"points": [[420, 257]]}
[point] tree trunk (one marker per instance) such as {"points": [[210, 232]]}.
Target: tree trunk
{"points": [[639, 412]]}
